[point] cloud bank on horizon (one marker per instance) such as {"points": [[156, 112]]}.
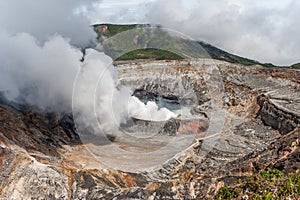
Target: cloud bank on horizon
{"points": [[267, 31]]}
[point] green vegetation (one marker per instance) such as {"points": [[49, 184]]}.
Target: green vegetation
{"points": [[113, 29], [269, 65], [219, 54], [162, 38], [227, 193], [271, 173], [147, 42], [296, 66], [266, 185], [150, 53]]}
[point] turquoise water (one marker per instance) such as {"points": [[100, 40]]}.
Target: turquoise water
{"points": [[173, 106], [164, 103]]}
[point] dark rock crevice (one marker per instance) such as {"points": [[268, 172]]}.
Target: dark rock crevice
{"points": [[278, 119]]}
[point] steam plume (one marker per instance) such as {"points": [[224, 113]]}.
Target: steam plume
{"points": [[41, 55]]}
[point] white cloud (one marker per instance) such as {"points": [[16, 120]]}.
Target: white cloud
{"points": [[44, 18], [267, 31], [38, 58], [40, 75], [114, 11]]}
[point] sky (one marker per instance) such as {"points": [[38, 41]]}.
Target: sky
{"points": [[267, 31]]}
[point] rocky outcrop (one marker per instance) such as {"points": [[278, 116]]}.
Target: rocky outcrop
{"points": [[278, 118], [171, 127], [42, 157]]}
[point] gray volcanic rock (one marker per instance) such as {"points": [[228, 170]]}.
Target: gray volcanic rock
{"points": [[42, 157], [171, 127]]}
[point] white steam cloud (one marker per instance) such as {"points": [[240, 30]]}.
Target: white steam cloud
{"points": [[98, 96], [148, 111], [38, 74], [40, 60]]}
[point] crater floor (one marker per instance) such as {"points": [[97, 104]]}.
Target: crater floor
{"points": [[252, 116]]}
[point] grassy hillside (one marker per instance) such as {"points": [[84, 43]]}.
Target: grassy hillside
{"points": [[114, 29], [219, 54], [145, 42], [296, 66], [150, 54], [131, 52]]}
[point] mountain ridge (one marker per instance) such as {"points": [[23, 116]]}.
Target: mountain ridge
{"points": [[107, 30]]}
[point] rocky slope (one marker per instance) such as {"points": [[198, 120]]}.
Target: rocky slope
{"points": [[42, 157]]}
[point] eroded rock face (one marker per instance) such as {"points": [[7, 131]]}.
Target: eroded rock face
{"points": [[41, 156], [274, 115]]}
